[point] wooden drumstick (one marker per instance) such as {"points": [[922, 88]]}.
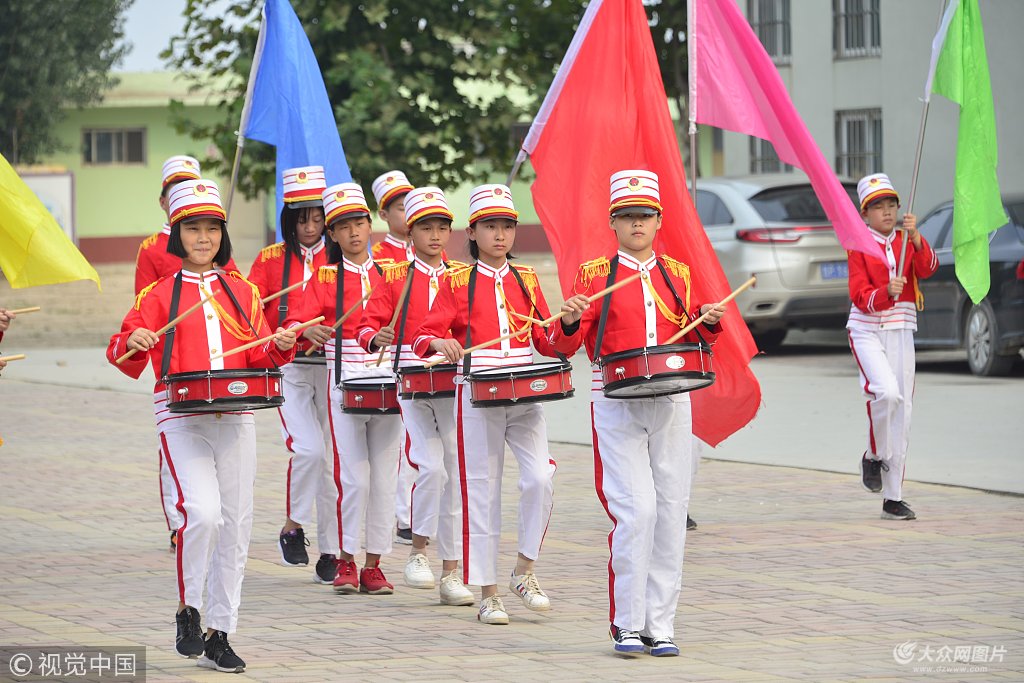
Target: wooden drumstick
{"points": [[675, 337], [21, 311], [278, 295], [339, 321], [527, 318], [17, 356], [264, 340], [191, 309], [398, 309], [543, 323]]}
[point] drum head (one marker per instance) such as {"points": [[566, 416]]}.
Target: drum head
{"points": [[659, 385], [226, 405]]}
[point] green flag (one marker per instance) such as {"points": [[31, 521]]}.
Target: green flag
{"points": [[962, 76]]}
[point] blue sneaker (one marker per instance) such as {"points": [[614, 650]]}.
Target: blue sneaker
{"points": [[661, 646], [626, 642]]}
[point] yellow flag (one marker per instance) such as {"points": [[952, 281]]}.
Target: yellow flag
{"points": [[33, 248]]}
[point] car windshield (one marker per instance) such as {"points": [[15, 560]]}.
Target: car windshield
{"points": [[793, 203]]}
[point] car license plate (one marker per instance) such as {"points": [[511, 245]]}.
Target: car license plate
{"points": [[835, 270]]}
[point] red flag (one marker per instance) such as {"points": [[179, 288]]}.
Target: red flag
{"points": [[607, 111]]}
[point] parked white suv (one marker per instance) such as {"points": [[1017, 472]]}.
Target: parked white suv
{"points": [[773, 226]]}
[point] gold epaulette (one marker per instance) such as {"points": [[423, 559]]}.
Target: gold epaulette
{"points": [[599, 267], [145, 290], [273, 251], [528, 274], [327, 274], [385, 261], [241, 278], [376, 249], [396, 271], [680, 270], [459, 277], [149, 241], [452, 264]]}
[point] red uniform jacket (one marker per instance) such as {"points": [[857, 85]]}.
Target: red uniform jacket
{"points": [[497, 294], [636, 317], [154, 262], [217, 326], [392, 248], [267, 274], [869, 276]]}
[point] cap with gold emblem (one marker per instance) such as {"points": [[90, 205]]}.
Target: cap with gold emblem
{"points": [[195, 198], [345, 200], [304, 187]]}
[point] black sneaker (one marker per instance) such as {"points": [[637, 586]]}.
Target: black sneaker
{"points": [[897, 509], [189, 641], [404, 536], [871, 473], [661, 646], [690, 524], [625, 642], [326, 569], [293, 548], [218, 655]]}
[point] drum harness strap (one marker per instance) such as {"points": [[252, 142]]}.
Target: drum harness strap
{"points": [[282, 307], [606, 305], [533, 304], [402, 318], [339, 310]]}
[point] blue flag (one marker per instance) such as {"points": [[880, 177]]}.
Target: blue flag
{"points": [[289, 107]]}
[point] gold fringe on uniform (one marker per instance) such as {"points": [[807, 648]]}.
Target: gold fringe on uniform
{"points": [[149, 241], [459, 277], [327, 274], [272, 252], [396, 271]]}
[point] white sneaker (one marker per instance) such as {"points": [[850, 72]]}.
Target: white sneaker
{"points": [[527, 588], [418, 573], [453, 591], [492, 611]]}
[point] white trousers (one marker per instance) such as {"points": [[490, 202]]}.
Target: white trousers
{"points": [[366, 449], [482, 435], [307, 434], [432, 447], [886, 362], [643, 473], [403, 493], [212, 462], [168, 493]]}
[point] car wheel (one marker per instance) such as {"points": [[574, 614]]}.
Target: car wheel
{"points": [[770, 339], [980, 334]]}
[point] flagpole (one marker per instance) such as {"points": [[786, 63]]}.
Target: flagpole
{"points": [[246, 111], [920, 149], [691, 100]]}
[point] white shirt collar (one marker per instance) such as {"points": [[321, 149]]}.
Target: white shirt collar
{"points": [[394, 241], [166, 229], [356, 268], [314, 250], [883, 239], [634, 264], [427, 270], [496, 273], [196, 278]]}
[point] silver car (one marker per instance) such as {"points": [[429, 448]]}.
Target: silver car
{"points": [[773, 226]]}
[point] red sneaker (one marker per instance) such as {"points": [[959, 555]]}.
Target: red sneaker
{"points": [[372, 581], [346, 581]]}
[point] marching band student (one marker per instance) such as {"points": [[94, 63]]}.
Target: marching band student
{"points": [[390, 190], [883, 319], [211, 456], [436, 506], [304, 424], [642, 446], [365, 446], [152, 263], [478, 305]]}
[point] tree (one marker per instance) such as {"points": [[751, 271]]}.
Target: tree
{"points": [[53, 55], [432, 86]]}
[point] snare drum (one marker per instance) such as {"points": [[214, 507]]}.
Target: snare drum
{"points": [[437, 381], [369, 396], [657, 371], [521, 384], [223, 391]]}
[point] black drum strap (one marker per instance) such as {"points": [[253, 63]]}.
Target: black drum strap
{"points": [[339, 309], [679, 301], [533, 304], [605, 306], [282, 305], [241, 311], [402, 318], [466, 362], [165, 363]]}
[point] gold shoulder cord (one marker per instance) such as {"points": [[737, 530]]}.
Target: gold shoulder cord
{"points": [[679, 320]]}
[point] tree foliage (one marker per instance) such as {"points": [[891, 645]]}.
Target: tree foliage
{"points": [[432, 86], [53, 55]]}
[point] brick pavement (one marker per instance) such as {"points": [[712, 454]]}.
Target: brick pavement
{"points": [[791, 575]]}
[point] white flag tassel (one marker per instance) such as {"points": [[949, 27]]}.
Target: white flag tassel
{"points": [[246, 111], [937, 42]]}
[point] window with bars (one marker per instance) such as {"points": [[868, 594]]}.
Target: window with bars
{"points": [[770, 21], [101, 146], [856, 28], [858, 142], [763, 158]]}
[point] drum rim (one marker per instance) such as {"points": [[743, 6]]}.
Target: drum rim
{"points": [[424, 370], [538, 369], [192, 405], [416, 395], [232, 373], [360, 383], [504, 402], [664, 348], [632, 381]]}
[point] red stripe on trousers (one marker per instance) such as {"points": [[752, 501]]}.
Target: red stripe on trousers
{"points": [[867, 390], [337, 469], [599, 485], [463, 485], [184, 517], [163, 509], [551, 461], [288, 491], [288, 440]]}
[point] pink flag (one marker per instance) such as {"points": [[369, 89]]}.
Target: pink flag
{"points": [[734, 85]]}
